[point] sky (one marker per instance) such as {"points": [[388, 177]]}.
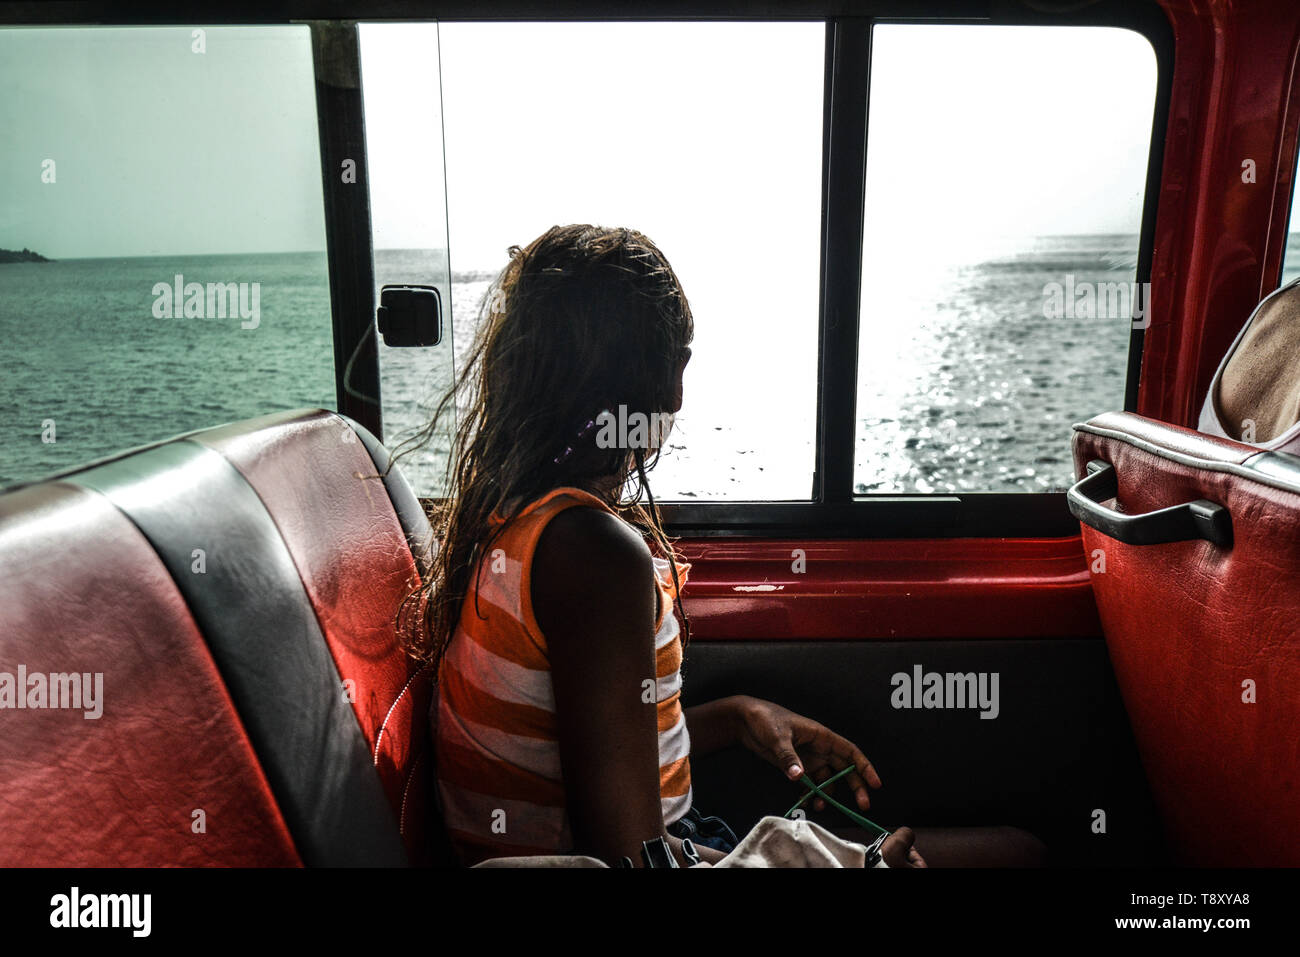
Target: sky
{"points": [[737, 113], [158, 150], [978, 132], [698, 132]]}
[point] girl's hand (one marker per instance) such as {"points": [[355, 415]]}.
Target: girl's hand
{"points": [[799, 745], [899, 849]]}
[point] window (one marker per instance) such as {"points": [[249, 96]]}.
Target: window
{"points": [[707, 138], [408, 211], [172, 175], [1003, 195], [1005, 175]]}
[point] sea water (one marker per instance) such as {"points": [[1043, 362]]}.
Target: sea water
{"points": [[965, 383]]}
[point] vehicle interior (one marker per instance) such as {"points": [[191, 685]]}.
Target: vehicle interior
{"points": [[232, 569]]}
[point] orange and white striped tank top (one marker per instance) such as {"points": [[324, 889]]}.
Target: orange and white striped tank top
{"points": [[500, 787]]}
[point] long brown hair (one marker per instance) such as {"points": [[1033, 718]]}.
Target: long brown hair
{"points": [[581, 321]]}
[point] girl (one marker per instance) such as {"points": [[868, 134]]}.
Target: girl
{"points": [[550, 610]]}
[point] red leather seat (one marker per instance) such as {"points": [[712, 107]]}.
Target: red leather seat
{"points": [[236, 589], [352, 536], [1202, 622], [83, 592]]}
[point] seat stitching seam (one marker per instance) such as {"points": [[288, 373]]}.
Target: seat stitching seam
{"points": [[396, 701]]}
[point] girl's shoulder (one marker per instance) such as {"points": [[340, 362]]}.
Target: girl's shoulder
{"points": [[584, 535], [574, 536], [519, 530], [569, 540], [546, 506], [589, 568]]}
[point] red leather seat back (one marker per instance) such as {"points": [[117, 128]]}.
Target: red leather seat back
{"points": [[317, 479], [1205, 640], [165, 773], [237, 589]]}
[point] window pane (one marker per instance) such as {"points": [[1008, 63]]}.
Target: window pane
{"points": [[143, 161], [1003, 205], [408, 210], [707, 138]]}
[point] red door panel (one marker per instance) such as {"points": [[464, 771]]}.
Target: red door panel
{"points": [[889, 589]]}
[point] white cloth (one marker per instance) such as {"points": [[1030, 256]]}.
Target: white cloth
{"points": [[780, 842], [544, 860], [774, 842]]}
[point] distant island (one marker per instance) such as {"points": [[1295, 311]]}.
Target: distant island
{"points": [[26, 256]]}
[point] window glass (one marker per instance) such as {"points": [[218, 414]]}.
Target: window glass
{"points": [[1005, 175], [707, 138], [408, 213], [172, 178]]}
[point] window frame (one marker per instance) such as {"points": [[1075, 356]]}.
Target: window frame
{"points": [[835, 510]]}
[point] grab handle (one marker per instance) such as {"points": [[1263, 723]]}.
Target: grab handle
{"points": [[1201, 519]]}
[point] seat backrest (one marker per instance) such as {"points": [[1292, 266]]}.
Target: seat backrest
{"points": [[1205, 637], [226, 603]]}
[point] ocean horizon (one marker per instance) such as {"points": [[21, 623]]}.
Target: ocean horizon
{"points": [[965, 384]]}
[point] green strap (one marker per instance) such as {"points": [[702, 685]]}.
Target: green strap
{"points": [[816, 789]]}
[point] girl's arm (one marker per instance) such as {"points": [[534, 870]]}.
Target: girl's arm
{"points": [[593, 593], [714, 725]]}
